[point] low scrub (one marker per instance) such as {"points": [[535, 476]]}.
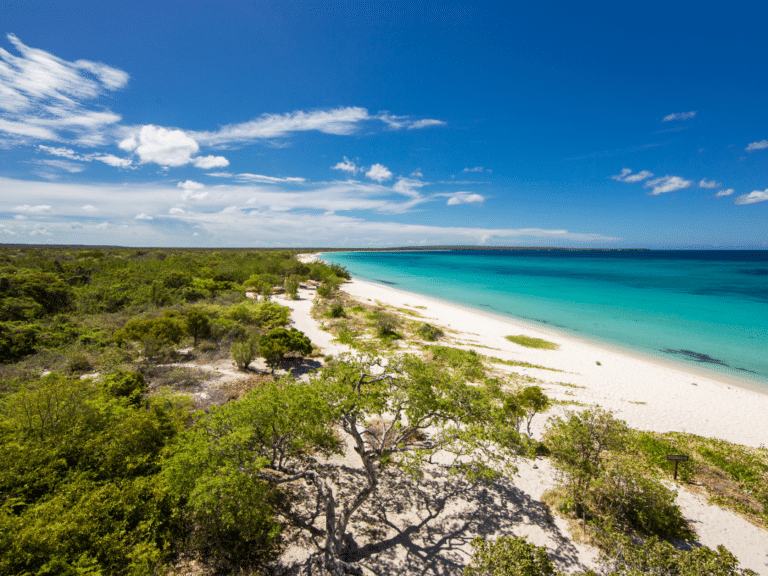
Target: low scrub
{"points": [[530, 342]]}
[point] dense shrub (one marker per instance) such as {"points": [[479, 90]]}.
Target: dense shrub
{"points": [[429, 332]]}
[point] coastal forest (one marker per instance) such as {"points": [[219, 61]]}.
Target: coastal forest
{"points": [[128, 447]]}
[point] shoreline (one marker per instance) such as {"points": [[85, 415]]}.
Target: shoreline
{"points": [[728, 377], [647, 393]]}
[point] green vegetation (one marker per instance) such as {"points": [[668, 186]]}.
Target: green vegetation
{"points": [[605, 483], [509, 557], [429, 332], [274, 345], [530, 342]]}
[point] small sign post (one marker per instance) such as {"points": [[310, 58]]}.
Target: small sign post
{"points": [[677, 458]]}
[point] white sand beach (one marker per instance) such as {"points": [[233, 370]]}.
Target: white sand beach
{"points": [[647, 395]]}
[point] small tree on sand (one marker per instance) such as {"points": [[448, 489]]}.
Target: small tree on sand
{"points": [[280, 435], [274, 345]]}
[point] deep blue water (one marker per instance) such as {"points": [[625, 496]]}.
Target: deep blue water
{"points": [[704, 308]]}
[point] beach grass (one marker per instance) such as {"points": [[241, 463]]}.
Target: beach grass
{"points": [[530, 342]]}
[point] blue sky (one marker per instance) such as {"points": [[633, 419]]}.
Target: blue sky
{"points": [[384, 123]]}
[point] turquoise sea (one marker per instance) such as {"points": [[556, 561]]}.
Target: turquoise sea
{"points": [[707, 309]]}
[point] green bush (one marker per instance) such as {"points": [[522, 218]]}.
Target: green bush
{"points": [[243, 353], [124, 384], [336, 310], [279, 342], [79, 363], [467, 363], [16, 341], [429, 332], [508, 556]]}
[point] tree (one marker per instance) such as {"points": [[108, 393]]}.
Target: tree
{"points": [[532, 401], [292, 287], [197, 324], [280, 435], [508, 557], [578, 444], [274, 345], [244, 352]]}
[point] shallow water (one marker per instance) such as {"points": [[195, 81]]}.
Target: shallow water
{"points": [[708, 309]]}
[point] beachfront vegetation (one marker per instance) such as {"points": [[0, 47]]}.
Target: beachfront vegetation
{"points": [[116, 473], [530, 342]]}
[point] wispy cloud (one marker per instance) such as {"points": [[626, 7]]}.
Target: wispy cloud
{"points": [[667, 184], [761, 145], [71, 167], [679, 116], [399, 122], [43, 97], [379, 172], [246, 177], [710, 184], [347, 166], [728, 192], [465, 198], [39, 209], [627, 176], [143, 216], [252, 215], [752, 197], [72, 155], [477, 169]]}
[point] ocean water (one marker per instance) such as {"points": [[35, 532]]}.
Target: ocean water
{"points": [[707, 309]]}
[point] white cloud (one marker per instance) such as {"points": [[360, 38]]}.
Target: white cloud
{"points": [[208, 162], [426, 123], [246, 177], [340, 121], [168, 148], [89, 208], [265, 216], [475, 169], [752, 198], [346, 166], [679, 116], [102, 226], [62, 165], [220, 174], [161, 146], [44, 97], [143, 216], [192, 190], [62, 152], [416, 174], [709, 184], [728, 192], [400, 122], [33, 209], [112, 160], [465, 198], [761, 145], [627, 176], [379, 172], [667, 184], [72, 155]]}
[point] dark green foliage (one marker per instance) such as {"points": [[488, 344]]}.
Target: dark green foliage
{"points": [[274, 345], [197, 324], [16, 341], [508, 556], [429, 332], [78, 482], [218, 469], [385, 324], [79, 363], [152, 333], [124, 384], [339, 271], [336, 310], [625, 558], [606, 482]]}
